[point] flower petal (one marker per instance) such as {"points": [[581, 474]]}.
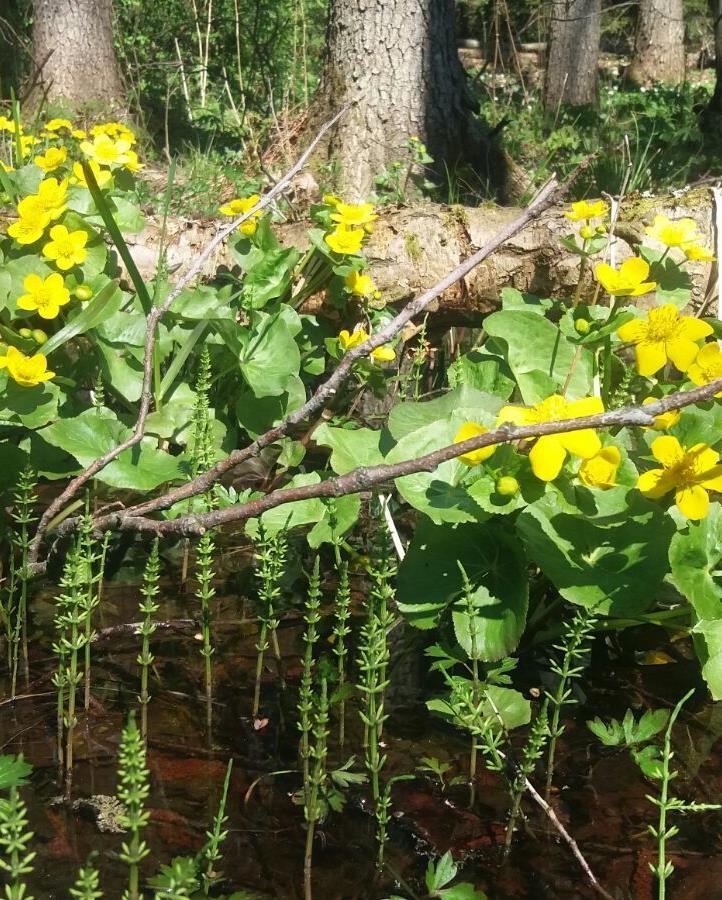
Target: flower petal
{"points": [[547, 457], [682, 352], [651, 357], [584, 443], [514, 415], [655, 483], [692, 502], [585, 406], [667, 450], [694, 329]]}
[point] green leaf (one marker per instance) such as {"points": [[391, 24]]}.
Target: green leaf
{"points": [[105, 303], [14, 772], [507, 704], [613, 563], [674, 284], [94, 432], [258, 414], [291, 515], [610, 735], [270, 354], [270, 278], [429, 580], [469, 404], [347, 513], [708, 644], [32, 406], [497, 625], [695, 554], [350, 447], [539, 356], [482, 371], [439, 875]]}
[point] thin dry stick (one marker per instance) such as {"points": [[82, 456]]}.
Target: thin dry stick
{"points": [[184, 82], [366, 477], [156, 314]]}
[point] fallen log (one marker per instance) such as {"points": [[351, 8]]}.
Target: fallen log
{"points": [[413, 247]]}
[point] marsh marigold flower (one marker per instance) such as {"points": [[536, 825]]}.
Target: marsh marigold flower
{"points": [[354, 215], [44, 295], [27, 371], [674, 234], [59, 125], [102, 176], [32, 221], [239, 207], [473, 457], [689, 473], [106, 151], [360, 285], [345, 241], [549, 451], [52, 159], [707, 365], [52, 196], [698, 253], [600, 470], [347, 340], [583, 209], [664, 420], [665, 336], [627, 281], [66, 248]]}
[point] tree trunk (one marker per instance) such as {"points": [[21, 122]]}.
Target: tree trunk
{"points": [[395, 63], [659, 43], [574, 33], [74, 60], [711, 118]]}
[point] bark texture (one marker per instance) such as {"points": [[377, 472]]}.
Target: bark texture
{"points": [[571, 75], [396, 65], [659, 53], [413, 248], [711, 119], [74, 59]]}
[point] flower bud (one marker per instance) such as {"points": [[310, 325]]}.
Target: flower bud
{"points": [[39, 336], [601, 229], [25, 332], [587, 232], [582, 326], [507, 486], [83, 292]]}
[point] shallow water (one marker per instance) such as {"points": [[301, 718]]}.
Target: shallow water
{"points": [[600, 798]]}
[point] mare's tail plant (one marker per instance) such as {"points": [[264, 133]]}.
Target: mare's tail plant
{"points": [[211, 855], [15, 836], [93, 562], [133, 789], [148, 608], [87, 884], [314, 806], [205, 593], [341, 631], [306, 698], [574, 647], [271, 555], [531, 752], [22, 515]]}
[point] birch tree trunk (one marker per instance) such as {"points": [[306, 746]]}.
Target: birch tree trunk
{"points": [[659, 43], [74, 58], [571, 75], [711, 118]]}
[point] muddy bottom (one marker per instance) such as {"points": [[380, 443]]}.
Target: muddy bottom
{"points": [[599, 794]]}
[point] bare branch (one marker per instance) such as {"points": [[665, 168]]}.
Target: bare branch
{"points": [[156, 314], [366, 477]]}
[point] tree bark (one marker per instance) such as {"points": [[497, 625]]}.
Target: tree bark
{"points": [[74, 60], [413, 248], [659, 53], [711, 118], [396, 65], [571, 75]]}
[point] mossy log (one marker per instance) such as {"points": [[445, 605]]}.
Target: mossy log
{"points": [[413, 247]]}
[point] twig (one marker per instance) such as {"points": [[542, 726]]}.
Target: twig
{"points": [[156, 314]]}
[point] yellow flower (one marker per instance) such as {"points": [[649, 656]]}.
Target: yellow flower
{"points": [[26, 142], [53, 158], [331, 200], [59, 125], [473, 457], [79, 134], [353, 214], [673, 234], [132, 164], [106, 151], [665, 420], [239, 207], [628, 281], [698, 253], [549, 451], [383, 354], [361, 285], [26, 370], [689, 473], [32, 221], [664, 336], [44, 295], [102, 176], [707, 365], [7, 125], [66, 248], [348, 340], [600, 470], [585, 210], [52, 196], [114, 130], [345, 241]]}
